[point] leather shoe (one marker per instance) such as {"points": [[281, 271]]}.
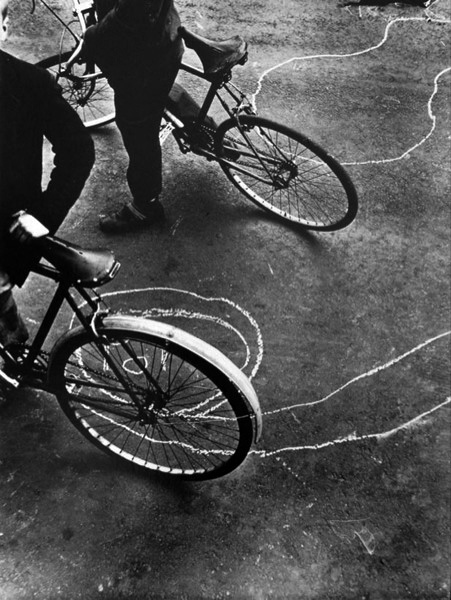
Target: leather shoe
{"points": [[127, 219]]}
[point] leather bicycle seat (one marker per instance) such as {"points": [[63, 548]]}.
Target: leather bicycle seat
{"points": [[89, 268], [215, 56]]}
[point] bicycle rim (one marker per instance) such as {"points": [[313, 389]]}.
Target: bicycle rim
{"points": [[85, 88], [285, 173], [153, 403]]}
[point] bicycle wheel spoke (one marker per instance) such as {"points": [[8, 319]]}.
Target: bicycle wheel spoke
{"points": [[192, 460], [155, 405], [195, 460], [288, 175], [84, 87]]}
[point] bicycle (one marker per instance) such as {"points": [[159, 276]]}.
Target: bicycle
{"points": [[278, 168], [143, 391]]}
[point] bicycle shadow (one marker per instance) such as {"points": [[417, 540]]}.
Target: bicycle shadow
{"points": [[233, 213], [37, 441], [306, 235]]}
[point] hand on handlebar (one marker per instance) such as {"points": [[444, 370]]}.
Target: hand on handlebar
{"points": [[26, 228]]}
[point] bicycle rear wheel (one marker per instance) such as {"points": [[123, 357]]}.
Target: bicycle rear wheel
{"points": [[156, 397], [285, 173], [85, 88]]}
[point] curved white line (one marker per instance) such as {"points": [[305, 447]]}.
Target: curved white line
{"points": [[432, 117], [369, 373], [331, 55], [360, 53], [353, 437], [183, 313], [211, 299]]}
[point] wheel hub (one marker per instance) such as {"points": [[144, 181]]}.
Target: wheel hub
{"points": [[153, 409], [286, 173]]}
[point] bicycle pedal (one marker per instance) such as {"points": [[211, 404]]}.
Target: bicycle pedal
{"points": [[180, 137], [35, 379], [10, 381], [165, 131]]}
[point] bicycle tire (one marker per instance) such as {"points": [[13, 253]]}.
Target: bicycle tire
{"points": [[85, 88], [199, 414], [285, 173]]}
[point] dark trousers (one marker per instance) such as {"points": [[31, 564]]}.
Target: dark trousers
{"points": [[140, 102]]}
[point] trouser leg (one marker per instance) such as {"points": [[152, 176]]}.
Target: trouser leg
{"points": [[139, 109], [12, 328], [142, 144]]}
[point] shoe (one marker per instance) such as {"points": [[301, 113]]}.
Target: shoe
{"points": [[129, 219], [36, 377], [10, 375]]}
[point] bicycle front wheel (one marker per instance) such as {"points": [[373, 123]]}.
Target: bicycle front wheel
{"points": [[156, 397], [85, 88], [285, 173]]}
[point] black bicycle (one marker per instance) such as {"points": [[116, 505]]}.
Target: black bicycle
{"points": [[141, 390], [278, 168]]}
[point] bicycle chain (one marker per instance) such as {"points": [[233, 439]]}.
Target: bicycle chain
{"points": [[41, 368], [206, 142]]}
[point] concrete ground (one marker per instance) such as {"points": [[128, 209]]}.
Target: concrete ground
{"points": [[347, 494]]}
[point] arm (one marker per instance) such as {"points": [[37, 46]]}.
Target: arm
{"points": [[74, 156], [26, 228]]}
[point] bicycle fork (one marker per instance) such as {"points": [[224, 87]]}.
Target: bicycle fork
{"points": [[155, 397]]}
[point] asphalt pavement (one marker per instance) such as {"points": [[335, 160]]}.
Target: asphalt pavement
{"points": [[345, 336]]}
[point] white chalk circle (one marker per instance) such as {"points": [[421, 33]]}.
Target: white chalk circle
{"points": [[218, 321]]}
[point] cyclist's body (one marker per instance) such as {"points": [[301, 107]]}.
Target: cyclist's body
{"points": [[137, 46], [31, 108]]}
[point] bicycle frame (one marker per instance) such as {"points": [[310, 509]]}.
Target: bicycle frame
{"points": [[89, 323], [62, 293], [84, 12], [241, 105]]}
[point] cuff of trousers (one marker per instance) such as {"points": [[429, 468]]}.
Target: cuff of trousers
{"points": [[138, 212]]}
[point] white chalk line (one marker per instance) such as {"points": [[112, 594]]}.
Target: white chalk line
{"points": [[433, 16], [427, 11], [353, 437], [210, 299], [369, 373], [350, 438], [347, 55], [407, 152], [431, 115], [153, 313]]}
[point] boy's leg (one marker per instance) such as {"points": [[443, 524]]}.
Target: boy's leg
{"points": [[12, 328], [139, 109], [144, 177], [141, 141]]}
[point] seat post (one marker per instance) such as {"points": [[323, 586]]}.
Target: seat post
{"points": [[208, 100], [47, 323]]}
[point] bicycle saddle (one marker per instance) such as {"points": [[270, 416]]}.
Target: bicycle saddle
{"points": [[216, 57], [89, 268]]}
